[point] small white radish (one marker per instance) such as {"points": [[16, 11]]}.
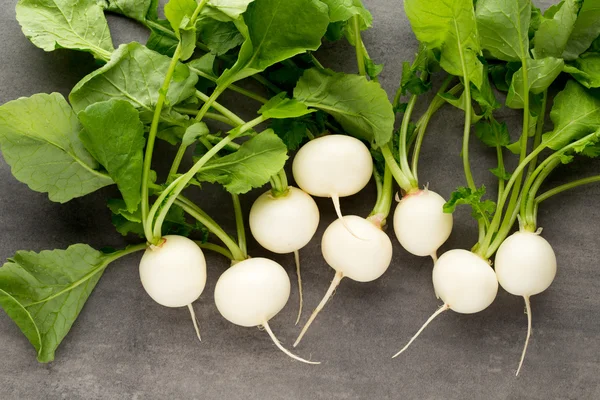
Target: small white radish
{"points": [[252, 292], [465, 282], [173, 273], [285, 224], [333, 166], [525, 266], [362, 260], [420, 223]]}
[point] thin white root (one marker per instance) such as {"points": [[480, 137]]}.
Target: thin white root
{"points": [[528, 308], [286, 351], [433, 316], [334, 284], [338, 210], [297, 259], [195, 321]]}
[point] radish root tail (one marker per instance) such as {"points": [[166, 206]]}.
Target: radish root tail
{"points": [[195, 321], [433, 316], [334, 284], [528, 308], [286, 351], [297, 259], [338, 210]]}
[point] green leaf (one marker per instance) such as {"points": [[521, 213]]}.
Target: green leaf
{"points": [[43, 293], [551, 38], [256, 161], [541, 74], [269, 43], [575, 114], [55, 24], [219, 36], [280, 107], [411, 81], [534, 23], [373, 70], [449, 26], [586, 29], [500, 173], [226, 10], [515, 147], [335, 31], [293, 131], [134, 74], [39, 140], [114, 135], [193, 132], [204, 64], [140, 10], [459, 102], [360, 106], [343, 10], [463, 195], [503, 27], [586, 69], [179, 14], [484, 96], [492, 133], [160, 41]]}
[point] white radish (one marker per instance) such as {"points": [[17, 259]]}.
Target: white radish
{"points": [[465, 282], [420, 223], [525, 266], [362, 260], [173, 273], [252, 292], [285, 224], [333, 166]]}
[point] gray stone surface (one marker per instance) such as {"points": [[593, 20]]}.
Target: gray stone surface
{"points": [[125, 346]]}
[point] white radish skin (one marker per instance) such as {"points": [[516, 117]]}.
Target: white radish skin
{"points": [[465, 282], [420, 223], [252, 292], [174, 273], [333, 166], [361, 259], [525, 266], [284, 224]]}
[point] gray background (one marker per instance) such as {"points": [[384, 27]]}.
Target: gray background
{"points": [[125, 346]]}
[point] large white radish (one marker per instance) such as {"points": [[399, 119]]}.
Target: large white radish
{"points": [[333, 166], [252, 292], [361, 259], [525, 266], [420, 223], [285, 224], [465, 282], [173, 273]]}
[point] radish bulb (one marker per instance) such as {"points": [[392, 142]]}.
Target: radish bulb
{"points": [[362, 260], [333, 166], [252, 292], [465, 282], [525, 266], [285, 224], [420, 223], [174, 273]]}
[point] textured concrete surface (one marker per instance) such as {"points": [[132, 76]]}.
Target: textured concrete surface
{"points": [[124, 346]]}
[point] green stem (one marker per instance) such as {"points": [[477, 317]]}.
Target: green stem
{"points": [[235, 88], [223, 110], [279, 184], [466, 135], [239, 223], [177, 186], [126, 251], [360, 58], [395, 169], [209, 102], [314, 60], [528, 203], [208, 115], [213, 227], [539, 129], [152, 138], [423, 122], [385, 194], [567, 186], [176, 162], [216, 248], [501, 182], [402, 150]]}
